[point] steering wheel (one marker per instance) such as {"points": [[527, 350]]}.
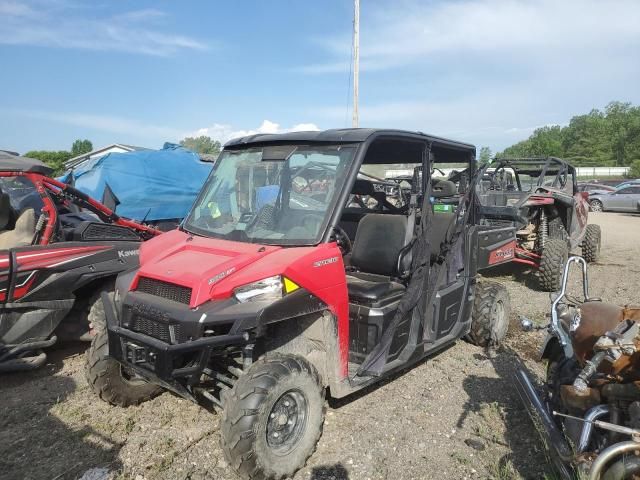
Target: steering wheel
{"points": [[342, 239]]}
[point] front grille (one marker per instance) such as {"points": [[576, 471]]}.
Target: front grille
{"points": [[104, 231], [170, 291], [156, 329]]}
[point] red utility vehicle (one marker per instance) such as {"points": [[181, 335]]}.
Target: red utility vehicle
{"points": [[59, 249], [279, 287], [540, 198]]}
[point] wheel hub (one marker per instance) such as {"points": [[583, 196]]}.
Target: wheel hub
{"points": [[287, 421]]}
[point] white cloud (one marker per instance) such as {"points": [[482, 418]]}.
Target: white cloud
{"points": [[486, 71], [224, 132], [543, 29], [103, 123], [71, 25]]}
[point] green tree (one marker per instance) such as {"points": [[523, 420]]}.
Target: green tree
{"points": [[202, 144], [54, 160], [599, 138], [634, 171], [485, 155], [80, 147]]}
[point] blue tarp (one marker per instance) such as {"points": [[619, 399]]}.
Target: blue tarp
{"points": [[150, 184]]}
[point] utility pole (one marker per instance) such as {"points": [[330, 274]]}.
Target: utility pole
{"points": [[356, 60]]}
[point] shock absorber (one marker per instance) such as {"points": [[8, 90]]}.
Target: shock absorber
{"points": [[543, 229]]}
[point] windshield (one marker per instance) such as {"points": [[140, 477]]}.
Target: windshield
{"points": [[280, 195]]}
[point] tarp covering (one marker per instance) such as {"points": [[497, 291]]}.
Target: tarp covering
{"points": [[150, 184]]}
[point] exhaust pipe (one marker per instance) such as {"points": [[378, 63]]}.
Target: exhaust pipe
{"points": [[561, 453]]}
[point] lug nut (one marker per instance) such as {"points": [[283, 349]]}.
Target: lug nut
{"points": [[276, 435]]}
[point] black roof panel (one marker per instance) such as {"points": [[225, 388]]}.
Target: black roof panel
{"points": [[341, 135]]}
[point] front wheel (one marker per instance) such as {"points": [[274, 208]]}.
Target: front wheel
{"points": [[490, 317], [596, 206], [591, 243], [272, 418], [108, 379]]}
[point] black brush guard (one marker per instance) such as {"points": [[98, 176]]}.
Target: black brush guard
{"points": [[560, 452]]}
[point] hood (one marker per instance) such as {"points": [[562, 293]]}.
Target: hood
{"points": [[197, 262]]}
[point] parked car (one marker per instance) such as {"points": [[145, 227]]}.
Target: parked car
{"points": [[595, 188], [625, 199], [628, 183]]}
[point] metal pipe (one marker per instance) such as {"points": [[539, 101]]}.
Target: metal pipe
{"points": [[609, 454], [555, 320], [561, 453], [587, 429]]}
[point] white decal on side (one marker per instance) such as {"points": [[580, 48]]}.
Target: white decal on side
{"points": [[326, 261]]}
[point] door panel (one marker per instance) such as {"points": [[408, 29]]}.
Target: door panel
{"points": [[495, 246]]}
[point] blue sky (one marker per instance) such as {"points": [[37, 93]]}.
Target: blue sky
{"points": [[483, 71]]}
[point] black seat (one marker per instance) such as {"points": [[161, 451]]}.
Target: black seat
{"points": [[374, 255]]}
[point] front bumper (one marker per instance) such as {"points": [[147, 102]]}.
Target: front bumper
{"points": [[176, 367]]}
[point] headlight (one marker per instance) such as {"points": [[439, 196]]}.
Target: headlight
{"points": [[270, 288]]}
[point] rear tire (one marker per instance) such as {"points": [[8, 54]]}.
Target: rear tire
{"points": [[591, 243], [272, 418], [106, 377], [490, 317], [554, 257]]}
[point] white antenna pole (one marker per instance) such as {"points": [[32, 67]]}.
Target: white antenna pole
{"points": [[356, 60]]}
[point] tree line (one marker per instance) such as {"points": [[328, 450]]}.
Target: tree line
{"points": [[609, 137], [57, 158]]}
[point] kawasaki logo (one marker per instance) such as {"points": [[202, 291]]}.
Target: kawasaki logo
{"points": [[128, 253]]}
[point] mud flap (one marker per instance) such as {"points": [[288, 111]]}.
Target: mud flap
{"points": [[496, 246]]}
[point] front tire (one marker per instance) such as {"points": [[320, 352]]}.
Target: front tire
{"points": [[490, 317], [554, 257], [591, 243], [108, 378], [272, 418], [596, 206]]}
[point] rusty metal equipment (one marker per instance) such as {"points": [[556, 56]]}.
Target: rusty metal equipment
{"points": [[589, 413]]}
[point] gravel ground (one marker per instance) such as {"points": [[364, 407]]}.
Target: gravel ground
{"points": [[455, 416]]}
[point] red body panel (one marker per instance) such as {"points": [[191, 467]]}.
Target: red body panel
{"points": [[213, 268], [502, 254]]}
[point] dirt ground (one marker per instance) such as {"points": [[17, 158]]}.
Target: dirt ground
{"points": [[455, 416]]}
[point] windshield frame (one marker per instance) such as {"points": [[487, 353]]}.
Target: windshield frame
{"points": [[321, 234]]}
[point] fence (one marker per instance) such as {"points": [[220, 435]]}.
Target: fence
{"points": [[594, 172]]}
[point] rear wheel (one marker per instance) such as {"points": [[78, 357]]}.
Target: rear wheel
{"points": [[108, 379], [596, 206], [591, 243], [490, 317], [554, 257], [272, 418]]}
